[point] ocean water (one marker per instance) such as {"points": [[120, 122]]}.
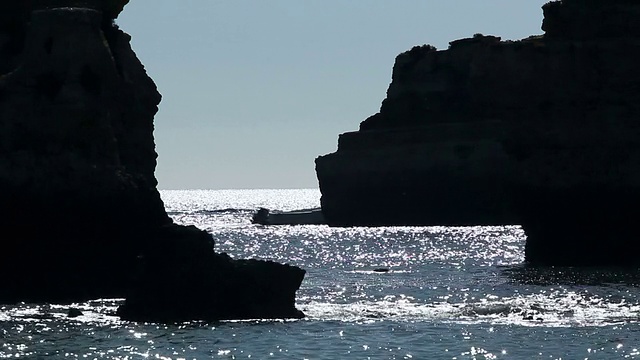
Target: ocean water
{"points": [[450, 293]]}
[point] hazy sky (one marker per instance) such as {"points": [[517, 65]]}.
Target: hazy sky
{"points": [[254, 90]]}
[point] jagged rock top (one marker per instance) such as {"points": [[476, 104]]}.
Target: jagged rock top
{"points": [[591, 19], [15, 13], [588, 45]]}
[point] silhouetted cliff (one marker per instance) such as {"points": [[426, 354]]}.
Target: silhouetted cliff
{"points": [[78, 199], [541, 132], [77, 154]]}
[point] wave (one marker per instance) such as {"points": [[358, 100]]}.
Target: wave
{"points": [[569, 310], [99, 312]]}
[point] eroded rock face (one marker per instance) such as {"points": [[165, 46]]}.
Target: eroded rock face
{"points": [[15, 14], [543, 132], [433, 155], [591, 19], [443, 174], [79, 208], [76, 152]]}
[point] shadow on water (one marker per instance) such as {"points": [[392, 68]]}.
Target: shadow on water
{"points": [[592, 276]]}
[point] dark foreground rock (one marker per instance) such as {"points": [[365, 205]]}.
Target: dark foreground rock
{"points": [[79, 209], [188, 286], [541, 132]]}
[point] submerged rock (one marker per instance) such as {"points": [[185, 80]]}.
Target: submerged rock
{"points": [[74, 313], [79, 206], [541, 132]]}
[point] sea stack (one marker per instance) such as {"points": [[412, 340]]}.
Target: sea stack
{"points": [[542, 132], [79, 208]]}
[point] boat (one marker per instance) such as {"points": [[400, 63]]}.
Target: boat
{"points": [[297, 217]]}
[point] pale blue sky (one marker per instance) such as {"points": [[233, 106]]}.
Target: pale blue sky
{"points": [[254, 90]]}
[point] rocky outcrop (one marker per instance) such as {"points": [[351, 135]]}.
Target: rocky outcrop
{"points": [[580, 175], [442, 174], [78, 201], [433, 155], [210, 287], [14, 15], [541, 132], [76, 157], [591, 19]]}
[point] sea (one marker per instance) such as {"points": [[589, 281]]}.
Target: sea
{"points": [[369, 293]]}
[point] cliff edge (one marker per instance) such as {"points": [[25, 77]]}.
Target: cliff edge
{"points": [[79, 207], [541, 132]]}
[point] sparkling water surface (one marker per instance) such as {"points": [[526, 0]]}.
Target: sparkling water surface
{"points": [[449, 293]]}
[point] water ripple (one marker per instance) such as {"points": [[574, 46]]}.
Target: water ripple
{"points": [[378, 293]]}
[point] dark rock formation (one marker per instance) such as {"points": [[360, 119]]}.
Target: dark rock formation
{"points": [[429, 157], [74, 313], [211, 287], [542, 132], [591, 19], [15, 14], [580, 179], [76, 158], [443, 174], [78, 201]]}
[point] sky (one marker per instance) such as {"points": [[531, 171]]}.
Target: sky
{"points": [[255, 90]]}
